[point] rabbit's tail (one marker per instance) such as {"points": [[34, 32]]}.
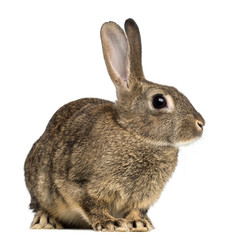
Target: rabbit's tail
{"points": [[34, 205]]}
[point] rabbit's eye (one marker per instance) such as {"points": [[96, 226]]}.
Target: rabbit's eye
{"points": [[159, 101]]}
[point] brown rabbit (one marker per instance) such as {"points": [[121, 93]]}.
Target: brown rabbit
{"points": [[101, 164]]}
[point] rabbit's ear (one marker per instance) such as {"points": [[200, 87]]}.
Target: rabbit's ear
{"points": [[115, 50], [134, 39]]}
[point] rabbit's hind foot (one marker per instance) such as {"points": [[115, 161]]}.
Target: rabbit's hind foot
{"points": [[43, 221]]}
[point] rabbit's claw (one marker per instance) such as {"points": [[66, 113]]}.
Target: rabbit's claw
{"points": [[43, 221], [111, 225], [140, 225]]}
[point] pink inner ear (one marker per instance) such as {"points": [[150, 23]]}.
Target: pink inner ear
{"points": [[118, 55]]}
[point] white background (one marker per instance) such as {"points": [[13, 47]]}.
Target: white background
{"points": [[50, 54]]}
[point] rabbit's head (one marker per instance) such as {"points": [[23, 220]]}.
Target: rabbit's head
{"points": [[155, 113]]}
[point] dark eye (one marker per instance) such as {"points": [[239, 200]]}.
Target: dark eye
{"points": [[159, 101]]}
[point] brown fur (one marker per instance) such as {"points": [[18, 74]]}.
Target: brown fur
{"points": [[101, 164]]}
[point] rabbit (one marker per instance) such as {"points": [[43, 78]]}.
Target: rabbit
{"points": [[100, 165]]}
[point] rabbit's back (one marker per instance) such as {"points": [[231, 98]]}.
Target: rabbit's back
{"points": [[66, 113]]}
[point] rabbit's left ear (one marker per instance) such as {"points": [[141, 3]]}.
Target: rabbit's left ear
{"points": [[134, 39], [116, 54]]}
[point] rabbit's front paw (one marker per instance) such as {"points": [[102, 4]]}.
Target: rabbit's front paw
{"points": [[109, 225], [140, 225]]}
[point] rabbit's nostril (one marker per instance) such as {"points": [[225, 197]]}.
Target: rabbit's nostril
{"points": [[199, 124]]}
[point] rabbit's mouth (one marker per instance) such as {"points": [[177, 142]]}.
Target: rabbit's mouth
{"points": [[189, 137], [177, 144], [186, 142]]}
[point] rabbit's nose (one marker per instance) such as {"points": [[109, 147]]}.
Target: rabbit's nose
{"points": [[199, 121], [199, 125]]}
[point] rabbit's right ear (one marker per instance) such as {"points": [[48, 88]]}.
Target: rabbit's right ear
{"points": [[135, 46], [115, 50]]}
